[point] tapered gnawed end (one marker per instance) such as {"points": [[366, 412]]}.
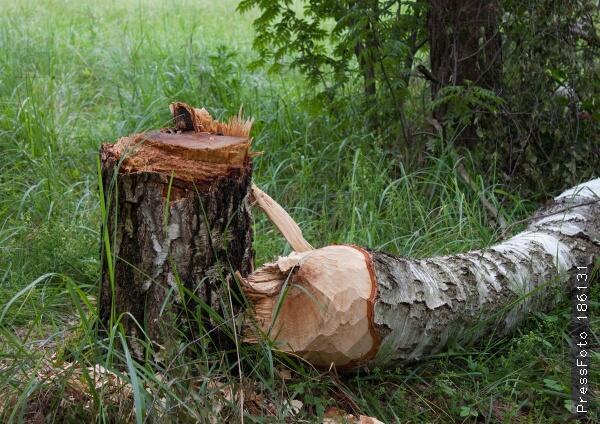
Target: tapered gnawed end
{"points": [[317, 304]]}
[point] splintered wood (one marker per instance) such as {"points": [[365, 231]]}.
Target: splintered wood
{"points": [[188, 118], [198, 148], [281, 219]]}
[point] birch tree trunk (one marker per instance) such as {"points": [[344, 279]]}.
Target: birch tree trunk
{"points": [[350, 307], [177, 223]]}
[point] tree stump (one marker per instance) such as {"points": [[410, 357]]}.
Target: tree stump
{"points": [[177, 224]]}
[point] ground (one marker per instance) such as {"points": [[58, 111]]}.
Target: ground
{"points": [[74, 74]]}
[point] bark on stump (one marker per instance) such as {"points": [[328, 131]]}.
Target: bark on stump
{"points": [[177, 223], [350, 307]]}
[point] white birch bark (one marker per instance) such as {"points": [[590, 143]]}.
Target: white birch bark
{"points": [[416, 306], [423, 303]]}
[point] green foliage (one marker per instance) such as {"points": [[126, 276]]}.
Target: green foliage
{"points": [[542, 125], [465, 104], [550, 123], [336, 43]]}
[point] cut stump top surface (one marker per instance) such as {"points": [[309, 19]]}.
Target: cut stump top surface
{"points": [[188, 155], [194, 140]]}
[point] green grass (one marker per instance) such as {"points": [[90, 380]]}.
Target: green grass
{"points": [[76, 74]]}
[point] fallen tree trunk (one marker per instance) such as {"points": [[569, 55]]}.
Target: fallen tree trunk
{"points": [[348, 306], [177, 222]]}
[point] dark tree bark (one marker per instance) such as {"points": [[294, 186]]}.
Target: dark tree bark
{"points": [[179, 226], [366, 48], [367, 69], [465, 45]]}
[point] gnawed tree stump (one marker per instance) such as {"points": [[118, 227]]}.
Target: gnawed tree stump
{"points": [[348, 306], [177, 223]]}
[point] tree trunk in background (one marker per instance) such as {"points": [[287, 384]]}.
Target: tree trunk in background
{"points": [[366, 51], [367, 69], [350, 307], [465, 45], [178, 223]]}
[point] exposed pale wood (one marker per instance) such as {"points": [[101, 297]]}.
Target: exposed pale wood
{"points": [[281, 219], [421, 304], [190, 156], [325, 297]]}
